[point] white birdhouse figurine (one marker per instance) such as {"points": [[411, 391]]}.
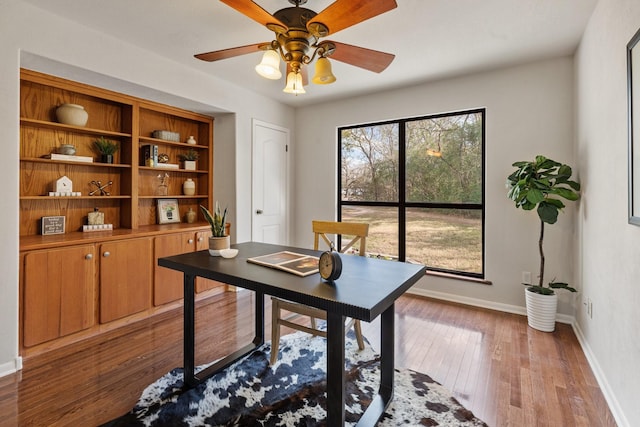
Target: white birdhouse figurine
{"points": [[63, 185]]}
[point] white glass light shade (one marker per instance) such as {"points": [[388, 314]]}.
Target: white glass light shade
{"points": [[294, 84], [323, 74], [269, 67]]}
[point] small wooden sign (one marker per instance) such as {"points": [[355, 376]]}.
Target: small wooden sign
{"points": [[52, 225]]}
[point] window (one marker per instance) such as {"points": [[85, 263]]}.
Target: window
{"points": [[419, 183]]}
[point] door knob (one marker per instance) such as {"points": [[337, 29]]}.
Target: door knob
{"points": [[259, 212]]}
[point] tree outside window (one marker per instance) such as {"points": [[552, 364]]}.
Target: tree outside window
{"points": [[419, 183]]}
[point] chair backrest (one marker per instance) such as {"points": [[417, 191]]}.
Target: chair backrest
{"points": [[359, 230]]}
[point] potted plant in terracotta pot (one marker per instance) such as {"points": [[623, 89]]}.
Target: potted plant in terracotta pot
{"points": [[541, 184], [189, 159], [106, 148], [219, 240]]}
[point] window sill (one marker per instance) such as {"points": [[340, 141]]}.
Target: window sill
{"points": [[458, 277]]}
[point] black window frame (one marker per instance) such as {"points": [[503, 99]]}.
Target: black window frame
{"points": [[402, 205]]}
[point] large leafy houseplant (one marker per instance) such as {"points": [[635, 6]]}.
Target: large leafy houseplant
{"points": [[540, 185], [216, 220]]}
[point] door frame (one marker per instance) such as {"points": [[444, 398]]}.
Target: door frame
{"points": [[255, 123]]}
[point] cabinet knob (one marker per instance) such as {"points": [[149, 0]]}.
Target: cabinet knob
{"points": [[259, 212], [88, 256], [200, 239], [190, 241], [106, 254]]}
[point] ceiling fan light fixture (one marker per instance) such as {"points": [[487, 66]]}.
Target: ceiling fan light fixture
{"points": [[323, 74], [269, 67], [294, 83]]}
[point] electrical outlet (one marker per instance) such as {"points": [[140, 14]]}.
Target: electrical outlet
{"points": [[526, 277]]}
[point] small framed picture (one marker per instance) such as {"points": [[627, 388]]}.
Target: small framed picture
{"points": [[53, 225], [168, 211]]}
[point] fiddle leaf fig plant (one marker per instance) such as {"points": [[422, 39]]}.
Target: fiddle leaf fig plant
{"points": [[540, 185], [216, 220]]}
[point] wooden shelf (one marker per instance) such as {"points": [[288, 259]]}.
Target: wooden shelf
{"points": [[54, 198], [149, 168], [149, 140], [130, 121], [75, 284], [65, 162], [179, 196], [69, 128]]}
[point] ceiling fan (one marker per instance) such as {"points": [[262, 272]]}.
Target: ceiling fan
{"points": [[298, 31]]}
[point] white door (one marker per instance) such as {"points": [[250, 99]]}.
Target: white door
{"points": [[270, 176]]}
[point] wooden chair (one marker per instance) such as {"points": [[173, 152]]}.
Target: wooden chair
{"points": [[320, 229]]}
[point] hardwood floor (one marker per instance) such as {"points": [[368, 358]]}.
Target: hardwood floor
{"points": [[505, 372]]}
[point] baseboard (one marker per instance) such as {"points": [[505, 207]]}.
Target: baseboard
{"points": [[11, 367], [475, 302], [609, 396]]}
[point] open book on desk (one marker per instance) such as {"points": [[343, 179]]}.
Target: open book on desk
{"points": [[291, 262]]}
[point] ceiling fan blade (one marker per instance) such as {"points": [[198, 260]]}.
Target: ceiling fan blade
{"points": [[345, 13], [253, 11], [230, 53], [372, 60]]}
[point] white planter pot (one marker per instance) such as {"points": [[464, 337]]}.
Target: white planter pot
{"points": [[541, 310], [190, 165]]}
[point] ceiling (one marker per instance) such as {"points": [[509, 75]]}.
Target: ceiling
{"points": [[431, 39]]}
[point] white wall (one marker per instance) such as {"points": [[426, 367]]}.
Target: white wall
{"points": [[53, 44], [529, 111], [608, 251]]}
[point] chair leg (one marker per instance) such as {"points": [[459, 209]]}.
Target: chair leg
{"points": [[358, 329], [313, 323], [275, 330]]}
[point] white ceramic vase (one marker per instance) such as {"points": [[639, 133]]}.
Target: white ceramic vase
{"points": [[72, 114], [216, 244], [189, 187], [541, 310]]}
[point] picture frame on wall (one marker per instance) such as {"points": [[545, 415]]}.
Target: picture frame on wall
{"points": [[633, 99], [168, 211]]}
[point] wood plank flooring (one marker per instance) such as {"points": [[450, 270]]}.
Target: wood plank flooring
{"points": [[505, 372]]}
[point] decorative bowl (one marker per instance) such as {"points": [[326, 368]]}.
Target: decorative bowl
{"points": [[228, 253], [72, 114]]}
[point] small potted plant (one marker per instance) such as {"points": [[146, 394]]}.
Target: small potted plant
{"points": [[105, 148], [540, 184], [218, 240], [189, 159]]}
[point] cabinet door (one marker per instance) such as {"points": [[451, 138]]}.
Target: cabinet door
{"points": [[202, 284], [59, 293], [125, 278], [168, 284]]}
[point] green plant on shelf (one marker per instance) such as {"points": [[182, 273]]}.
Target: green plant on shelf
{"points": [[105, 146], [191, 155]]}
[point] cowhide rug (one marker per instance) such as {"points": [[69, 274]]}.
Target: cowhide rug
{"points": [[292, 393]]}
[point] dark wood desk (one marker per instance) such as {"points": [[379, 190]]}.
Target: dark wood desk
{"points": [[366, 289]]}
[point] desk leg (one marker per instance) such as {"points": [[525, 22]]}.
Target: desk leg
{"points": [[258, 340], [190, 378], [387, 355], [189, 331], [335, 369]]}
